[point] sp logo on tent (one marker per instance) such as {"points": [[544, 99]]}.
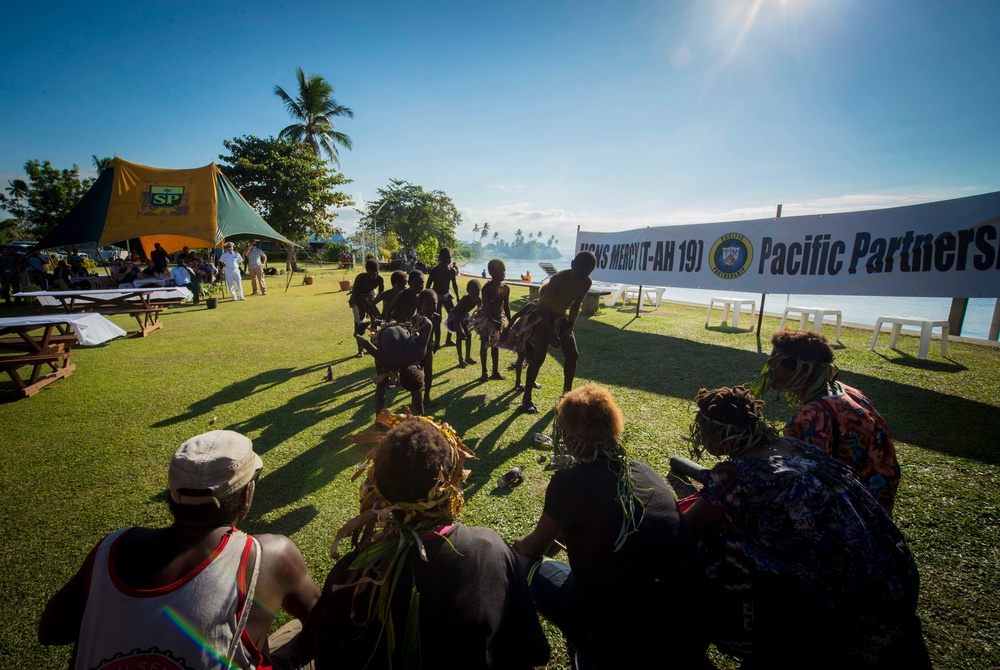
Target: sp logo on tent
{"points": [[160, 198]]}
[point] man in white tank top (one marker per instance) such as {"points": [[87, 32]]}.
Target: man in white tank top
{"points": [[197, 594]]}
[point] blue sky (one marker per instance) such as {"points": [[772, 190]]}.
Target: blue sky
{"points": [[536, 115]]}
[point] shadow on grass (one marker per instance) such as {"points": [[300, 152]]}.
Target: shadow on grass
{"points": [[239, 391], [287, 524], [678, 367], [338, 402], [468, 406], [914, 362]]}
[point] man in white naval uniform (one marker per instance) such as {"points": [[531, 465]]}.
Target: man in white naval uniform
{"points": [[231, 263]]}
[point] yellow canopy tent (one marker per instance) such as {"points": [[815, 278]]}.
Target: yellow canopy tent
{"points": [[196, 207]]}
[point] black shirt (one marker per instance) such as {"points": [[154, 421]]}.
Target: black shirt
{"points": [[644, 595], [475, 610]]}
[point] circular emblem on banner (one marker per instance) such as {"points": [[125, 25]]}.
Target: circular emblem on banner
{"points": [[731, 256]]}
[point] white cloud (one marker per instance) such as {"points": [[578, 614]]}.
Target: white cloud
{"points": [[508, 217]]}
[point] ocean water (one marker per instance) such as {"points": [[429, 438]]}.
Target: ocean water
{"points": [[857, 309]]}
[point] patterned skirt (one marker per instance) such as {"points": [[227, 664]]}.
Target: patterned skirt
{"points": [[518, 338], [458, 322], [483, 324]]}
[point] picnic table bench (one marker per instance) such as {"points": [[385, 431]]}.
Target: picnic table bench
{"points": [[143, 304], [48, 354]]}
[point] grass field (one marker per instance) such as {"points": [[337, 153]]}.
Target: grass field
{"points": [[89, 453]]}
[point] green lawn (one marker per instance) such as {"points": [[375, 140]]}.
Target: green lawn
{"points": [[89, 453]]}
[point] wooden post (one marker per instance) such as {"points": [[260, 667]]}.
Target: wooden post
{"points": [[956, 316], [995, 324], [763, 296]]}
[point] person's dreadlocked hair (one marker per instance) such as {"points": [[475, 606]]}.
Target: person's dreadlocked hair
{"points": [[413, 485], [734, 417], [805, 354], [411, 459], [591, 425]]}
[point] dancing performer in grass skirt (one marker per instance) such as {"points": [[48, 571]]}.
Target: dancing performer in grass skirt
{"points": [[459, 319], [492, 316]]}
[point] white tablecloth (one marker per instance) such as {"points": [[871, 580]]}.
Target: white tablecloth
{"points": [[90, 329], [51, 298]]}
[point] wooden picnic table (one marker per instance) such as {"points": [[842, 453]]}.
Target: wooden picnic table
{"points": [[50, 350], [143, 304]]}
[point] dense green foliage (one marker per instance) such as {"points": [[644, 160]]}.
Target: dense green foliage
{"points": [[89, 453], [416, 217], [291, 187], [39, 203], [313, 110]]}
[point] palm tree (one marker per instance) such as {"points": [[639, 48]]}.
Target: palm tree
{"points": [[314, 109], [496, 238], [484, 232], [18, 189], [101, 164], [475, 231]]}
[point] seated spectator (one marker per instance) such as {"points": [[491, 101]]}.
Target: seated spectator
{"points": [[183, 276], [208, 270], [629, 550], [833, 416], [149, 272], [130, 272], [115, 268], [199, 590], [61, 275], [74, 259], [805, 569], [442, 593]]}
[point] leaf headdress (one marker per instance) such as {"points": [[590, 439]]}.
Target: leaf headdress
{"points": [[385, 533]]}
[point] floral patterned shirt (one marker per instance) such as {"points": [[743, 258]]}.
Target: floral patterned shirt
{"points": [[847, 427]]}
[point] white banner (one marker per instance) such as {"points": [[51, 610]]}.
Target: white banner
{"points": [[941, 249]]}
